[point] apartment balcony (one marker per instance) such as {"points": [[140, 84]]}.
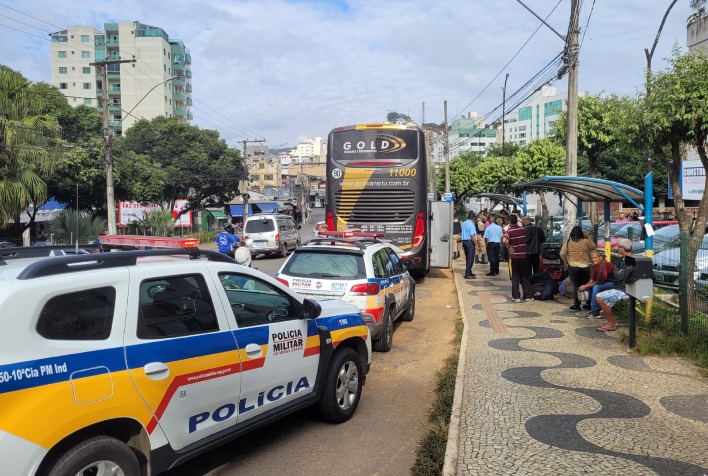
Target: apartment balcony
{"points": [[114, 124], [178, 82], [113, 91], [179, 97], [189, 100], [189, 87], [180, 111], [187, 58], [189, 116], [112, 41], [188, 73]]}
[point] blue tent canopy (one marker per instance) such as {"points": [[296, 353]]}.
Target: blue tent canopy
{"points": [[236, 210]]}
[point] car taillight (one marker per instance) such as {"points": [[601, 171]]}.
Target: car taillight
{"points": [[277, 237], [419, 233], [365, 289], [283, 282], [330, 221]]}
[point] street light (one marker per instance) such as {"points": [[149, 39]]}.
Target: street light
{"points": [[110, 195], [504, 113]]}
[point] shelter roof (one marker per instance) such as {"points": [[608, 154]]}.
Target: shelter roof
{"points": [[587, 189]]}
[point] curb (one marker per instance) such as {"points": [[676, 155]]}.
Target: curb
{"points": [[453, 434]]}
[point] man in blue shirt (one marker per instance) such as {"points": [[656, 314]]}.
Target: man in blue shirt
{"points": [[469, 244], [493, 234], [226, 240]]}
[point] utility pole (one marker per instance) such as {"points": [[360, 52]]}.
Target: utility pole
{"points": [[244, 190], [571, 154], [504, 114], [447, 154], [102, 68]]}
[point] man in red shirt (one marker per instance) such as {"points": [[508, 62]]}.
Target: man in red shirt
{"points": [[515, 242]]}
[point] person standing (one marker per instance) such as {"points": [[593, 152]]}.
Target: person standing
{"points": [[600, 280], [515, 241], [469, 244], [456, 238], [535, 239], [481, 220], [493, 236], [576, 254], [607, 299], [226, 240]]}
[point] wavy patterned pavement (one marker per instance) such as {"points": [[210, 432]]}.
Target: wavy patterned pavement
{"points": [[540, 391]]}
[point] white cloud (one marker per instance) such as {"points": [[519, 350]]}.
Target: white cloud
{"points": [[282, 69]]}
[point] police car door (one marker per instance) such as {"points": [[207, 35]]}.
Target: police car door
{"points": [[279, 349], [401, 284], [182, 356]]}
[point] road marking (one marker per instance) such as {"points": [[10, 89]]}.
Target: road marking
{"points": [[497, 325]]}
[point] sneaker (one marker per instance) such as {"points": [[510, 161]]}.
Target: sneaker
{"points": [[587, 307], [517, 300], [574, 307], [594, 315], [528, 299]]}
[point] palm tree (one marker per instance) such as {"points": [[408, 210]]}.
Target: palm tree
{"points": [[68, 226], [29, 140]]}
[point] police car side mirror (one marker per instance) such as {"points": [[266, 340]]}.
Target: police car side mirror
{"points": [[311, 309]]}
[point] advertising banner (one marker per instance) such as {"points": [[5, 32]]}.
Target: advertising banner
{"points": [[130, 211]]}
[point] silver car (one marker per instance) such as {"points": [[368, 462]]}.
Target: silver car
{"points": [[271, 234]]}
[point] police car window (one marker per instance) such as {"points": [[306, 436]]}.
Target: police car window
{"points": [[379, 270], [397, 264], [175, 306], [255, 302], [81, 315], [320, 264], [387, 264]]}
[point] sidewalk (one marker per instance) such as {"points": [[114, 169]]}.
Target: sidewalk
{"points": [[541, 392]]}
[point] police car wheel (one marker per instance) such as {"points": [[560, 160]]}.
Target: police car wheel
{"points": [[99, 455], [385, 341], [342, 387], [409, 313]]}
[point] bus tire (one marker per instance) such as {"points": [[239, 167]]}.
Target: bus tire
{"points": [[99, 454], [385, 341]]}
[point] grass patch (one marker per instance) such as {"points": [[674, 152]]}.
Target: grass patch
{"points": [[431, 451], [662, 335]]}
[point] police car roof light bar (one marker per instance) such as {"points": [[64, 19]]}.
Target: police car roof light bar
{"points": [[152, 241], [350, 234]]}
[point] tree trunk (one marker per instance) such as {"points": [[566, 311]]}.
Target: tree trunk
{"points": [[544, 211]]}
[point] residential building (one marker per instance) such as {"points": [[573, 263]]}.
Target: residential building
{"points": [[534, 120], [464, 135], [158, 83], [311, 150], [697, 32]]}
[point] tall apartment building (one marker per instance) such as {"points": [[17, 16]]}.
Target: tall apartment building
{"points": [[465, 134], [136, 90], [534, 120]]}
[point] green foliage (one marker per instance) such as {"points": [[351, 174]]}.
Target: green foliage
{"points": [[205, 237], [508, 150], [539, 159], [157, 223], [184, 161], [394, 117], [495, 175], [29, 145], [69, 226]]}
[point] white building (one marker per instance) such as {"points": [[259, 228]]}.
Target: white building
{"points": [[311, 150], [143, 88], [534, 120], [464, 135]]}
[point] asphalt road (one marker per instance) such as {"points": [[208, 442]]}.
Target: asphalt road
{"points": [[383, 435]]}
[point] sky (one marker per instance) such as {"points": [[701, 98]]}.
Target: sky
{"points": [[284, 70]]}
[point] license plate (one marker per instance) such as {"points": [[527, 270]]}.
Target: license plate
{"points": [[259, 244]]}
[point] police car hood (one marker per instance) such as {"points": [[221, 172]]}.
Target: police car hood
{"points": [[332, 307]]}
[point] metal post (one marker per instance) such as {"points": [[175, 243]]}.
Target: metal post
{"points": [[504, 113], [632, 312], [447, 153]]}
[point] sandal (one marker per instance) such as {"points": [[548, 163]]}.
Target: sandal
{"points": [[604, 328]]}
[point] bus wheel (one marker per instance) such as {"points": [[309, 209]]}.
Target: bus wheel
{"points": [[385, 341]]}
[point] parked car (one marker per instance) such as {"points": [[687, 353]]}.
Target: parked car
{"points": [[6, 244], [132, 362], [667, 265], [359, 269], [271, 234]]}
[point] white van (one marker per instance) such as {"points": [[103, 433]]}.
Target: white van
{"points": [[267, 233]]}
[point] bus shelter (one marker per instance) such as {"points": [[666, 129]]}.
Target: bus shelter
{"points": [[518, 203], [588, 189]]}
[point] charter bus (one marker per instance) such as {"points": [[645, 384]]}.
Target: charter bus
{"points": [[376, 182]]}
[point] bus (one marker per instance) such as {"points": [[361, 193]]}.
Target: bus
{"points": [[376, 182]]}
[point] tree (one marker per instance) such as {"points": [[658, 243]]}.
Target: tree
{"points": [[69, 226], [29, 143], [539, 159], [495, 175], [676, 116], [496, 150], [190, 162], [397, 118]]}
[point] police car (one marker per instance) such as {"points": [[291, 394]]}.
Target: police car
{"points": [[359, 269], [132, 362]]}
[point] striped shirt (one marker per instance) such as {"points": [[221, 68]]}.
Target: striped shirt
{"points": [[516, 235]]}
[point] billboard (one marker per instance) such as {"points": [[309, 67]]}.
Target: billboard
{"points": [[130, 211], [693, 180]]}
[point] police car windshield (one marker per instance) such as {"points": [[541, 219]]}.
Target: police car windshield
{"points": [[319, 264]]}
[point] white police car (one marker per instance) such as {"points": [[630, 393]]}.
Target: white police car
{"points": [[357, 268], [131, 362]]}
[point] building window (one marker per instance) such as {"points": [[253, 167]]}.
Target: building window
{"points": [[63, 86], [261, 166], [255, 177], [164, 52], [62, 69], [61, 54], [268, 177], [87, 101], [86, 70], [87, 85], [86, 54], [85, 39]]}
